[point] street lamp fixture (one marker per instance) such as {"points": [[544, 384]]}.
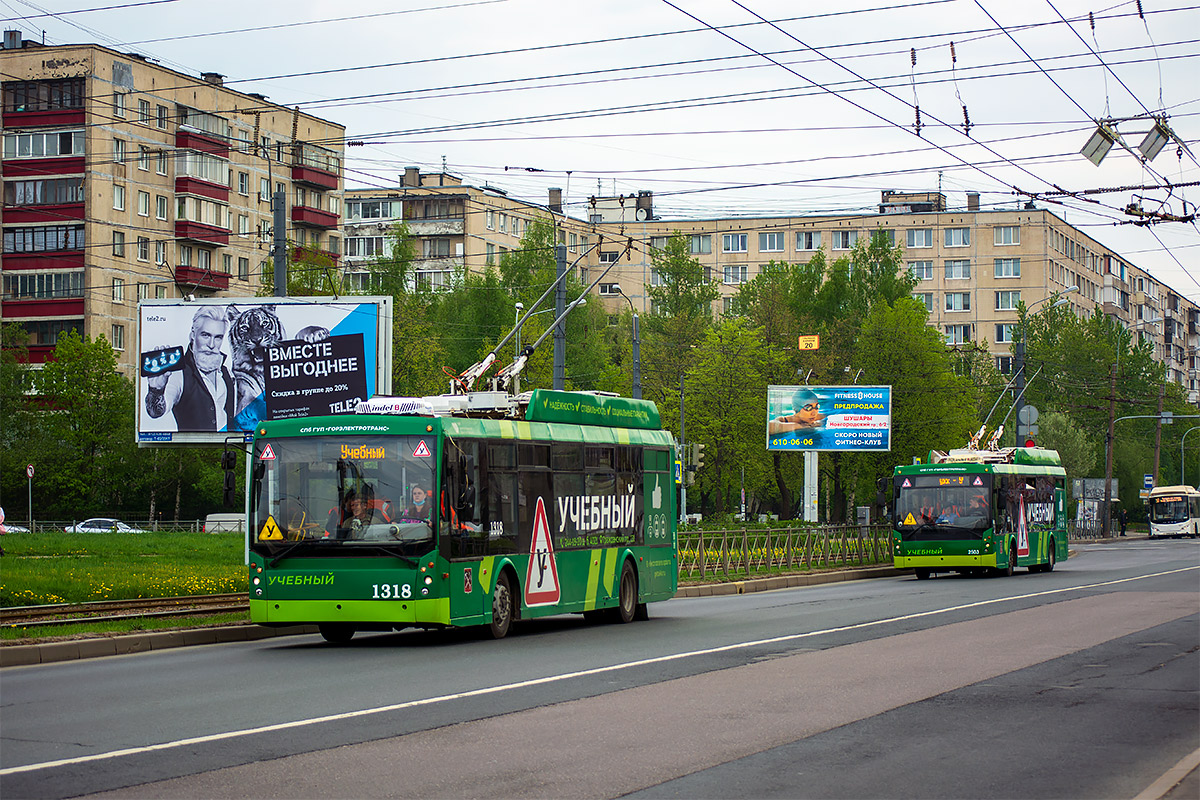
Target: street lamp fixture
{"points": [[637, 348], [1101, 142]]}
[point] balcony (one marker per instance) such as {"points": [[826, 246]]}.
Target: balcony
{"points": [[214, 191], [44, 119], [40, 308], [40, 167], [316, 178], [199, 232], [44, 213], [198, 278], [54, 259], [314, 218], [191, 139]]}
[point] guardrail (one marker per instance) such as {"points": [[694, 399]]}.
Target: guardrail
{"points": [[746, 551], [44, 525]]}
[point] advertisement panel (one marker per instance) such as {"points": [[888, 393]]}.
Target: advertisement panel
{"points": [[851, 418], [215, 367]]}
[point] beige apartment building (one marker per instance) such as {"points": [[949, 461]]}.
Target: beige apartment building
{"points": [[126, 180], [973, 265]]}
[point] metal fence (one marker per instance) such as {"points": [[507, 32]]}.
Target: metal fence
{"points": [[45, 525], [746, 552]]}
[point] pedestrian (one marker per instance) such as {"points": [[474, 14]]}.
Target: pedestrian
{"points": [[1124, 518]]}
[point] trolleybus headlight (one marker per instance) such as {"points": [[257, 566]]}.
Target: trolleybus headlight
{"points": [[428, 579], [258, 591], [424, 591], [257, 580]]}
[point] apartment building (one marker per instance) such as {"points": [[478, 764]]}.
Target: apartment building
{"points": [[973, 266], [126, 180]]}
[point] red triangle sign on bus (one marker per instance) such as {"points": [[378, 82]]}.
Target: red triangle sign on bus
{"points": [[267, 454], [541, 576], [422, 450]]}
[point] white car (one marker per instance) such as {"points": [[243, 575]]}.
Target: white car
{"points": [[102, 525]]}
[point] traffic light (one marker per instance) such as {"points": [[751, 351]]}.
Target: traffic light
{"points": [[697, 455]]}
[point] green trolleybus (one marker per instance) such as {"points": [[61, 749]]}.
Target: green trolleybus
{"points": [[980, 510], [454, 510]]}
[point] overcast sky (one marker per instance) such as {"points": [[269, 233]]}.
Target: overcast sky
{"points": [[720, 107]]}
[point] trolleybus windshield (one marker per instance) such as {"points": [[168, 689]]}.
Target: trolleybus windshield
{"points": [[1171, 508], [321, 492], [943, 506]]}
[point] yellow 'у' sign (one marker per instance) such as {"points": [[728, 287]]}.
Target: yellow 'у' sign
{"points": [[810, 342]]}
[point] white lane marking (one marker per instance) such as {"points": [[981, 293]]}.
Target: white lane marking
{"points": [[282, 726]]}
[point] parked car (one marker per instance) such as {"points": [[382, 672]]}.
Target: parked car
{"points": [[102, 525]]}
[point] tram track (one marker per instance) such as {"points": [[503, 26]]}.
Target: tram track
{"points": [[121, 610]]}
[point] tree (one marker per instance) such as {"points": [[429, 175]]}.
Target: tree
{"points": [[16, 415], [1077, 451], [681, 313]]}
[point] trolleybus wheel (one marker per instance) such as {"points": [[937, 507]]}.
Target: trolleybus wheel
{"points": [[1012, 561], [922, 573], [502, 607], [336, 632], [1049, 565], [627, 595]]}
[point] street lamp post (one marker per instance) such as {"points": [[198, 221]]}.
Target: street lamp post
{"points": [[637, 345], [1182, 477], [1019, 352]]}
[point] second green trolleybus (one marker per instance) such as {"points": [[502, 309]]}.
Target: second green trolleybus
{"points": [[476, 509], [980, 511]]}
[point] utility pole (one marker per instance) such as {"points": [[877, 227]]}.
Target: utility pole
{"points": [[1162, 391], [682, 461], [279, 241], [1019, 385], [1108, 450], [560, 330]]}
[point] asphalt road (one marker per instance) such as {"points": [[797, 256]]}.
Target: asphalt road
{"points": [[1080, 683]]}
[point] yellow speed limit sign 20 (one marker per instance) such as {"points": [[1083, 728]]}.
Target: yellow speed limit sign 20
{"points": [[810, 342]]}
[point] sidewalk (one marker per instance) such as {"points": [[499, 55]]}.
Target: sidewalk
{"points": [[72, 649]]}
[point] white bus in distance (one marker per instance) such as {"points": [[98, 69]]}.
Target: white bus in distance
{"points": [[1174, 511]]}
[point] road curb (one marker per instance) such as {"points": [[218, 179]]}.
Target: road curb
{"points": [[786, 581]]}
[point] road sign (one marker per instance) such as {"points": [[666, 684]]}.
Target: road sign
{"points": [[810, 342], [1028, 415], [29, 471], [1148, 480]]}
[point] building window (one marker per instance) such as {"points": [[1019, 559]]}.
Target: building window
{"points": [[161, 169], [118, 247], [143, 204], [1004, 365], [735, 273], [726, 305], [1004, 332], [958, 270], [243, 269], [609, 256], [143, 158], [771, 242], [733, 243], [43, 191], [160, 207], [700, 244], [118, 197], [490, 220], [226, 263], [958, 237], [185, 255], [921, 270], [198, 209], [43, 238], [143, 248], [436, 248], [1007, 300], [144, 111], [119, 104], [808, 240], [160, 115], [160, 253], [244, 183], [925, 298], [243, 225], [43, 284], [118, 340], [118, 287], [264, 191], [1008, 267], [844, 240], [958, 334], [119, 151], [609, 289], [1008, 234], [203, 166], [655, 277], [160, 292], [203, 258], [918, 237], [958, 301], [43, 95], [43, 145]]}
